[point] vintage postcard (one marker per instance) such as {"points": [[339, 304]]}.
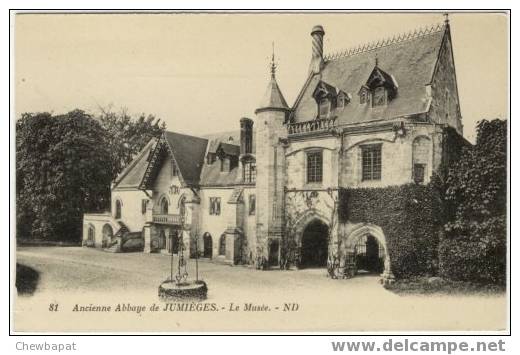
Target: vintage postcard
{"points": [[260, 172]]}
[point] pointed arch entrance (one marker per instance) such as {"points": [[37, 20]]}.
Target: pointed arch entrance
{"points": [[311, 234], [314, 245], [366, 244]]}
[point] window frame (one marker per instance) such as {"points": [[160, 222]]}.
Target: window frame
{"points": [[118, 214], [252, 204], [375, 165], [423, 167], [384, 96], [249, 171], [324, 102], [164, 203], [314, 174], [214, 206]]}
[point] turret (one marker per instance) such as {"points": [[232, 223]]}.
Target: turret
{"points": [[271, 117]]}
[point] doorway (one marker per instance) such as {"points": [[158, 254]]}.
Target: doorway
{"points": [[314, 249], [370, 255], [208, 245]]}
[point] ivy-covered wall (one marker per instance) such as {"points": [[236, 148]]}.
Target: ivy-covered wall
{"points": [[410, 217]]}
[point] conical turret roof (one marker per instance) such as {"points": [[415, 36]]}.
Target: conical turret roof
{"points": [[273, 97]]}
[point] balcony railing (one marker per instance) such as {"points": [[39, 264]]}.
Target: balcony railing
{"points": [[317, 125], [167, 219]]}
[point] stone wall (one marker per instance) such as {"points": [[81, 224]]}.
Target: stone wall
{"points": [[270, 178], [215, 225], [296, 161], [131, 210], [445, 106], [396, 155]]}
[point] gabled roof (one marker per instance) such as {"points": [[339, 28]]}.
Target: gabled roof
{"points": [[188, 152], [133, 173], [410, 61]]}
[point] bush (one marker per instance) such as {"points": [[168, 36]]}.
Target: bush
{"points": [[410, 218], [474, 246]]}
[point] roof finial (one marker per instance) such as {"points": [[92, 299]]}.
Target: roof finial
{"points": [[446, 18], [273, 64], [377, 60]]}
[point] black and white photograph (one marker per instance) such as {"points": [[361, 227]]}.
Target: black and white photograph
{"points": [[242, 171]]}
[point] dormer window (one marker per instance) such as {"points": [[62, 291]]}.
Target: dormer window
{"points": [[364, 95], [342, 100], [379, 89], [379, 96], [324, 107]]}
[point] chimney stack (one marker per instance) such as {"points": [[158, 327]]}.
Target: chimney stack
{"points": [[317, 34], [246, 136]]}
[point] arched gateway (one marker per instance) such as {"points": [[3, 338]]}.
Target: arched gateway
{"points": [[311, 232], [314, 244], [367, 243]]}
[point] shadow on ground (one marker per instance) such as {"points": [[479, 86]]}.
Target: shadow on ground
{"points": [[436, 285], [26, 279]]}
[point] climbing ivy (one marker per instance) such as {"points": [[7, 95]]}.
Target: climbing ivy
{"points": [[410, 217]]}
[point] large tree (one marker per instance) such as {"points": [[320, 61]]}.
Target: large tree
{"points": [[128, 135], [475, 244], [65, 164], [61, 171]]}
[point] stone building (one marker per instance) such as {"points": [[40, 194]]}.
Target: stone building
{"points": [[266, 195]]}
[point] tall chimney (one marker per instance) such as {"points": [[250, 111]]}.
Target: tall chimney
{"points": [[246, 136], [317, 34]]}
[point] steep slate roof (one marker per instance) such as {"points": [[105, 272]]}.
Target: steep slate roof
{"points": [[411, 63], [189, 153], [133, 173], [273, 97], [211, 174], [230, 149]]}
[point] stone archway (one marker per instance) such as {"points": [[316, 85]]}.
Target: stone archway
{"points": [[108, 234], [362, 231], [310, 223], [314, 244]]}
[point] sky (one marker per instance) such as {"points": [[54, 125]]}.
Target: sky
{"points": [[200, 73]]}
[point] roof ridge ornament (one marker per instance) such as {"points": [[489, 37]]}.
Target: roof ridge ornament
{"points": [[396, 38]]}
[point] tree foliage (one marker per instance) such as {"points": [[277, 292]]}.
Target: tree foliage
{"points": [[65, 164], [60, 174], [475, 242], [127, 135]]}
